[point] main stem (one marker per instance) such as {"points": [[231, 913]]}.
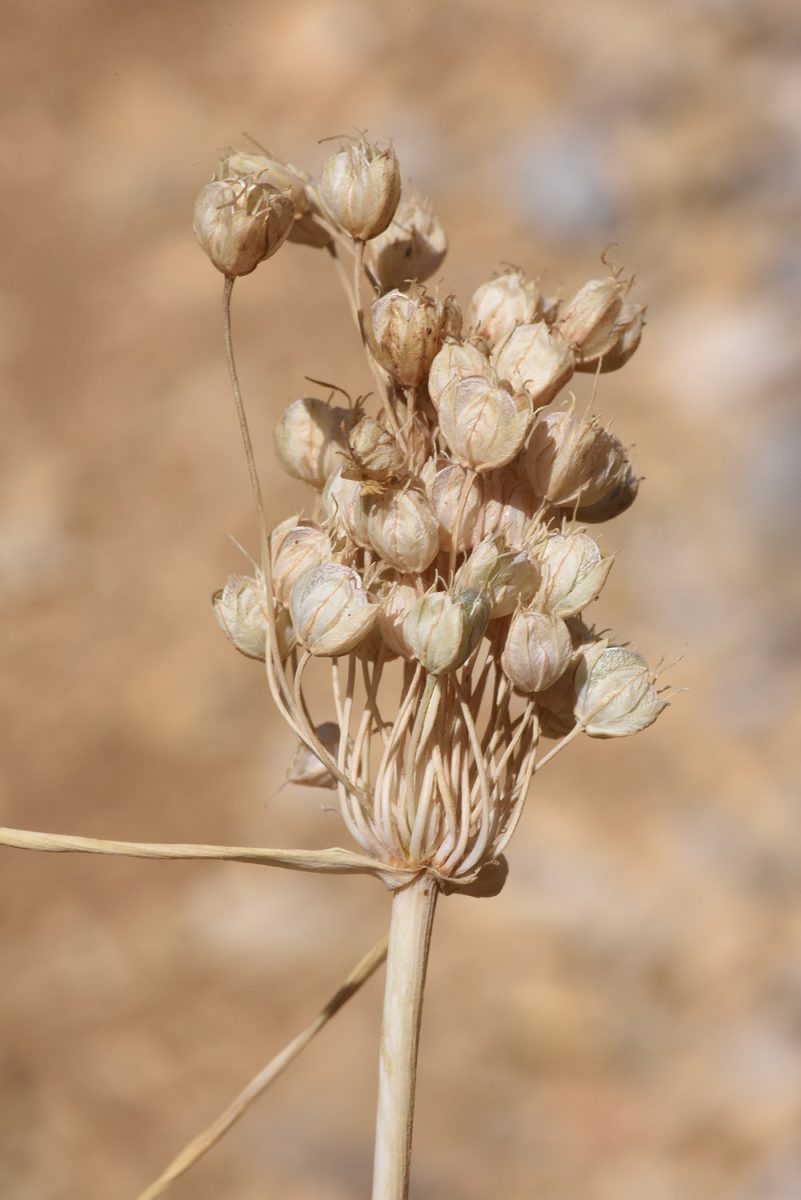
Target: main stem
{"points": [[407, 958]]}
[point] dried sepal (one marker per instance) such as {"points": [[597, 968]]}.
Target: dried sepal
{"points": [[408, 329], [615, 691], [461, 499], [396, 600], [331, 611], [373, 453], [345, 506], [453, 362], [572, 459], [239, 223], [295, 546], [587, 320], [507, 577], [623, 339]]}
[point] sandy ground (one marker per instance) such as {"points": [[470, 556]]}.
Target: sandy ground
{"points": [[624, 1021]]}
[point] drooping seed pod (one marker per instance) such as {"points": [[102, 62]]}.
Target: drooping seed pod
{"points": [[507, 577], [571, 458], [453, 362], [396, 599], [374, 453], [615, 692], [240, 223], [411, 248], [573, 572], [615, 501], [536, 358], [306, 768], [239, 609], [266, 169], [345, 507], [360, 188], [310, 439], [295, 546], [588, 318], [538, 650], [484, 426], [403, 529], [331, 612], [444, 630], [460, 500], [623, 339], [500, 305], [407, 332]]}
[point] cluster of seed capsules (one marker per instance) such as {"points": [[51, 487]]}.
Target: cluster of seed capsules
{"points": [[445, 560]]}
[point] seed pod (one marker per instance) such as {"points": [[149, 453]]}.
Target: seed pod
{"points": [[507, 577], [538, 650], [306, 768], [453, 362], [331, 611], [588, 318], [614, 502], [484, 426], [411, 248], [374, 451], [265, 169], [623, 340], [239, 224], [360, 188], [443, 631], [615, 693], [310, 439], [570, 458], [407, 332], [345, 507], [500, 305], [239, 609], [536, 358], [454, 491], [573, 572], [555, 706], [295, 546], [397, 599], [403, 529], [510, 515]]}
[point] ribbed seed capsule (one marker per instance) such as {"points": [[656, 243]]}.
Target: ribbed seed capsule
{"points": [[360, 188], [588, 318], [574, 571], [407, 332], [460, 500], [443, 630], [507, 577], [374, 452], [484, 426], [306, 768], [500, 305], [619, 497], [295, 546], [623, 340], [511, 512], [538, 650], [536, 358], [310, 439], [453, 362], [570, 458], [240, 223], [411, 248], [397, 599], [615, 692], [265, 169], [345, 507], [239, 609], [403, 530], [331, 611]]}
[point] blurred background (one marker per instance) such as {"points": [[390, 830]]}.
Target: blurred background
{"points": [[624, 1021]]}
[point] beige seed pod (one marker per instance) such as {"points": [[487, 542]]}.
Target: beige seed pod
{"points": [[240, 223], [574, 570], [615, 692], [538, 650], [588, 318], [555, 706], [403, 529], [306, 768], [500, 305], [411, 248], [331, 612], [507, 577], [239, 609], [397, 598], [615, 501], [443, 630], [374, 452], [407, 333], [310, 439], [345, 507], [267, 169], [484, 426], [460, 500], [453, 362], [623, 340], [510, 513], [536, 358], [360, 188], [570, 458], [295, 546]]}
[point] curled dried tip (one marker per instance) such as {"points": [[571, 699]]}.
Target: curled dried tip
{"points": [[615, 691], [269, 170], [239, 223], [412, 247], [360, 188]]}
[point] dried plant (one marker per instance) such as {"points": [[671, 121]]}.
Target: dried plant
{"points": [[439, 576]]}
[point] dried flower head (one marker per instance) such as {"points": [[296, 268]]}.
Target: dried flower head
{"points": [[360, 188], [241, 222]]}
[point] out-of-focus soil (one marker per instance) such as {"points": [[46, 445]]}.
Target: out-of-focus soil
{"points": [[624, 1021]]}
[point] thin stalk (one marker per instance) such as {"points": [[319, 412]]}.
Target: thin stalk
{"points": [[407, 958]]}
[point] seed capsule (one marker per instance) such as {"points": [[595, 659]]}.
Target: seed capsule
{"points": [[588, 318], [403, 529], [345, 507], [570, 458], [484, 426], [614, 502], [240, 223], [374, 452], [408, 331], [500, 305], [507, 577], [265, 169], [555, 706], [536, 358], [331, 611], [411, 248], [615, 693], [623, 340], [239, 609], [510, 516], [538, 650], [460, 500], [454, 362], [306, 768], [296, 546], [574, 571], [397, 599], [310, 439], [360, 188], [443, 631]]}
